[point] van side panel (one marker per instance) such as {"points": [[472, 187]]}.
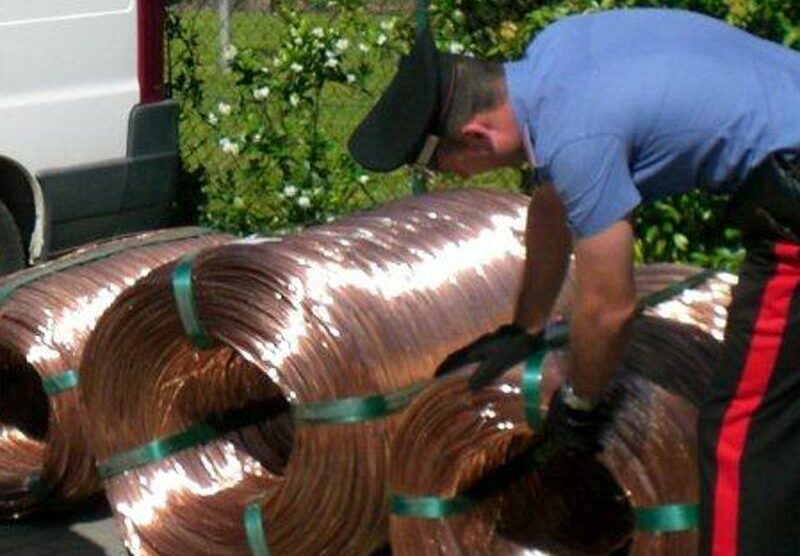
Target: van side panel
{"points": [[68, 80]]}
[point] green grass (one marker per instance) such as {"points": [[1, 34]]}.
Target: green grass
{"points": [[342, 108]]}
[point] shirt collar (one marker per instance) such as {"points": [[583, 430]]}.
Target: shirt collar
{"points": [[528, 143]]}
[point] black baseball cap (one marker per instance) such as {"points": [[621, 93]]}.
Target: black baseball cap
{"points": [[404, 125]]}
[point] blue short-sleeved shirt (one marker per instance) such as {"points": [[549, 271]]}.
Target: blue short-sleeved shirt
{"points": [[625, 106]]}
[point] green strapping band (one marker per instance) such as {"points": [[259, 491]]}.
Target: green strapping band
{"points": [[667, 518], [81, 257], [348, 410], [183, 292], [356, 409], [675, 289], [155, 450], [37, 487], [60, 383], [531, 389], [214, 427], [429, 507], [253, 526]]}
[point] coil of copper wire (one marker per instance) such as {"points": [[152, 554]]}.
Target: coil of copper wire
{"points": [[46, 315], [319, 337], [470, 478]]}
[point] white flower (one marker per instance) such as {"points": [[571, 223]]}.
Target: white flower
{"points": [[295, 67], [213, 119], [264, 69], [351, 78], [363, 47], [341, 45], [456, 47], [303, 201], [298, 41], [230, 53], [331, 63], [381, 40], [224, 108], [257, 137], [294, 100], [289, 191], [228, 146], [318, 32], [387, 25], [262, 93], [363, 179]]}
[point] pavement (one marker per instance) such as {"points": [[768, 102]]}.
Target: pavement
{"points": [[89, 532]]}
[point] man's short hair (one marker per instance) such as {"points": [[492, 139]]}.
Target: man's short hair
{"points": [[479, 86]]}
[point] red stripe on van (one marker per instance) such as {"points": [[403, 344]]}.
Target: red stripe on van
{"points": [[759, 365], [150, 60]]}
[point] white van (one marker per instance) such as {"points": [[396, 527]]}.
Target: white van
{"points": [[88, 142]]}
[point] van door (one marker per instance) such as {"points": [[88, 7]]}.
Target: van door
{"points": [[69, 89]]}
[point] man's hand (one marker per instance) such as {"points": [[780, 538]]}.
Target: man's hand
{"points": [[572, 429], [498, 351]]}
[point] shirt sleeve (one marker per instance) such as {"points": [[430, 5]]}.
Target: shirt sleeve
{"points": [[594, 182]]}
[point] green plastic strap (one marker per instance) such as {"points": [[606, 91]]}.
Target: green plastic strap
{"points": [[356, 409], [419, 181], [667, 518], [60, 383], [348, 410], [37, 487], [254, 528], [429, 507], [183, 292], [675, 289], [421, 14], [211, 428], [156, 450], [436, 507], [531, 389], [103, 251]]}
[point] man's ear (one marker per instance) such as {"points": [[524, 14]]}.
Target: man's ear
{"points": [[478, 136]]}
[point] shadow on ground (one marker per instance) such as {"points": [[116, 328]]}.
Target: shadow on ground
{"points": [[88, 532]]}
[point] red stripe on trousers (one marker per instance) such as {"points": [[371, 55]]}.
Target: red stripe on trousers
{"points": [[759, 364]]}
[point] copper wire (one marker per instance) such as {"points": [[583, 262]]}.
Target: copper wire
{"points": [[44, 324], [450, 439], [366, 305]]}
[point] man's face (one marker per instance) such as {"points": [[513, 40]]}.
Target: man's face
{"points": [[466, 159]]}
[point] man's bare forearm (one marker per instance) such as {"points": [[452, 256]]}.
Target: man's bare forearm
{"points": [[604, 307], [548, 247], [597, 342]]}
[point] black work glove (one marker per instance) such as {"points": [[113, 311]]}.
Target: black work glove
{"points": [[576, 431], [497, 352]]}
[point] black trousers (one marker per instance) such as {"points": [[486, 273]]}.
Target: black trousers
{"points": [[749, 427]]}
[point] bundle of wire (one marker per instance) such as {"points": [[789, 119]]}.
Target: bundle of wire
{"points": [[244, 401], [46, 315], [472, 475]]}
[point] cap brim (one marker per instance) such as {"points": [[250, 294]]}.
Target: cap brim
{"points": [[394, 131]]}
